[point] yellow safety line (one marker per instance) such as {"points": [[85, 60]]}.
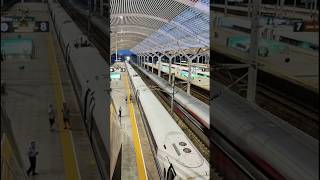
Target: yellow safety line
{"points": [[70, 165], [142, 173]]}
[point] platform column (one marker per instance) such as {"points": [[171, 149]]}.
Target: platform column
{"points": [[189, 75], [101, 7], [225, 7], [141, 61], [170, 62], [152, 60], [138, 60], [94, 6], [159, 65], [146, 61], [254, 44]]}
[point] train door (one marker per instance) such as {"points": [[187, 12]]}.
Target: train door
{"points": [[85, 103], [88, 107], [171, 174], [90, 118], [67, 55]]}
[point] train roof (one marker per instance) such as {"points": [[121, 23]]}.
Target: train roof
{"points": [[89, 62]]}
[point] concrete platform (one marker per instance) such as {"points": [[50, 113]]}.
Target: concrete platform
{"points": [[129, 170], [303, 69], [32, 84]]}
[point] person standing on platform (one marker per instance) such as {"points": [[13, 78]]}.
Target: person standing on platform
{"points": [[32, 154], [52, 116], [120, 109], [66, 116]]}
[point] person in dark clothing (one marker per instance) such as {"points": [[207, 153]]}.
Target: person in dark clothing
{"points": [[32, 154], [120, 109], [66, 116], [52, 116]]}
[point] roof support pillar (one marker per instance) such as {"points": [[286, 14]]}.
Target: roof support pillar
{"points": [[141, 64], [101, 7], [152, 59], [159, 65], [170, 56], [143, 60], [170, 62], [189, 59], [252, 74], [137, 62], [95, 5]]}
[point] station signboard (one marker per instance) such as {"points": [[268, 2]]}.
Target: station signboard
{"points": [[23, 24], [6, 26], [306, 26]]}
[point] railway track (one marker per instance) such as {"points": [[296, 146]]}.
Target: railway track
{"points": [[96, 36]]}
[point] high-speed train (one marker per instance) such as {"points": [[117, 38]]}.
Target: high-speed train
{"points": [[89, 86], [280, 150], [265, 146], [177, 157]]}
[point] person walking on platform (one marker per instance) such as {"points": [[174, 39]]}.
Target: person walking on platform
{"points": [[66, 116], [52, 116], [32, 154]]}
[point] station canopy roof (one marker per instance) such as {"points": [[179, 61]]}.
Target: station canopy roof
{"points": [[148, 26]]}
